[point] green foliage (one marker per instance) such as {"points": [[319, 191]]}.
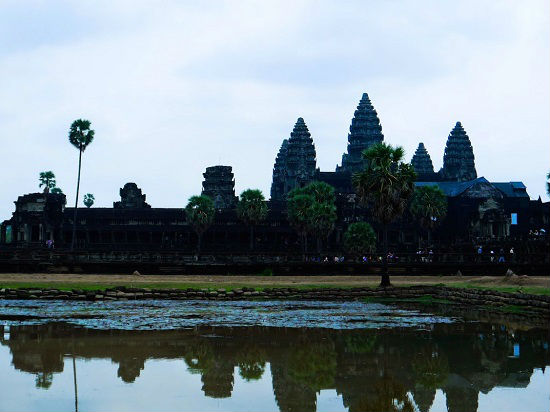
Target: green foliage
{"points": [[80, 134], [200, 213], [312, 209], [298, 209], [360, 239], [387, 183], [429, 205], [57, 191], [47, 179], [252, 208], [548, 184], [89, 200], [321, 192]]}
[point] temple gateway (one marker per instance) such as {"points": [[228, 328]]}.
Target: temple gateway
{"points": [[478, 210]]}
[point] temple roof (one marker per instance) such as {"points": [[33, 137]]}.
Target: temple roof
{"points": [[454, 189], [512, 189], [365, 130], [458, 160], [422, 163], [301, 157]]}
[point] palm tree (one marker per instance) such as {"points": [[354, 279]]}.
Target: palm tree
{"points": [[315, 213], [200, 215], [386, 185], [322, 217], [429, 205], [360, 239], [80, 136], [298, 210], [89, 200], [252, 209], [47, 179]]}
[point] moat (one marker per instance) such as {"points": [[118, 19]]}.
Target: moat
{"points": [[247, 355]]}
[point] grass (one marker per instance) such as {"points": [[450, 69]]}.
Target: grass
{"points": [[163, 285], [533, 290]]}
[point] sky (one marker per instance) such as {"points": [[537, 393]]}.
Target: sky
{"points": [[172, 87]]}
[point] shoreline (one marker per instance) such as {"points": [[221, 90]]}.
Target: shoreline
{"points": [[514, 303]]}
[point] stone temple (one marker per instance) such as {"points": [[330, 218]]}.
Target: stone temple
{"points": [[479, 211]]}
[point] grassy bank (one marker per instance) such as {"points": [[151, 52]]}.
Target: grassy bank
{"points": [[228, 285]]}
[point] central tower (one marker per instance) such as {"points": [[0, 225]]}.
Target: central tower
{"points": [[365, 131]]}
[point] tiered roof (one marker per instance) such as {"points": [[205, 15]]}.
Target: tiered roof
{"points": [[458, 160], [301, 159], [365, 130], [278, 182], [422, 164], [219, 185]]}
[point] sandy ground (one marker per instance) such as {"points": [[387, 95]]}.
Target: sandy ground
{"points": [[269, 281]]}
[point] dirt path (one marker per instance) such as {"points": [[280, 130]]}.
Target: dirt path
{"points": [[269, 281]]}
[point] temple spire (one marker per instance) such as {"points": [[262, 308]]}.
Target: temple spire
{"points": [[458, 160], [423, 165], [278, 182], [301, 159], [365, 130]]}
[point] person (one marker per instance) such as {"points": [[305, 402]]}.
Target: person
{"points": [[512, 254], [501, 256], [479, 253], [492, 255]]}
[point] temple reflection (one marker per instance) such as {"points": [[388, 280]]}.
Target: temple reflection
{"points": [[398, 369]]}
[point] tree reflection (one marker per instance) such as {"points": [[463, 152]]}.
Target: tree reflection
{"points": [[391, 370]]}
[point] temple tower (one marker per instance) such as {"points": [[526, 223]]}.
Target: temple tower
{"points": [[131, 197], [365, 130], [458, 160], [301, 159], [422, 164], [219, 185], [278, 182]]}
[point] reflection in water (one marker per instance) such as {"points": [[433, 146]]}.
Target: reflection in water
{"points": [[386, 369]]}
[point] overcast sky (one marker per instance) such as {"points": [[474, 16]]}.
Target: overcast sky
{"points": [[174, 87]]}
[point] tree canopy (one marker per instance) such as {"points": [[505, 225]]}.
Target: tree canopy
{"points": [[89, 200], [80, 134], [312, 210], [429, 205], [200, 215], [47, 179], [387, 183], [360, 239], [252, 208]]}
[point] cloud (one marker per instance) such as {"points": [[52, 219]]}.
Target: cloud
{"points": [[172, 88]]}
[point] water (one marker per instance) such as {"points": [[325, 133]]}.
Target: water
{"points": [[265, 356]]}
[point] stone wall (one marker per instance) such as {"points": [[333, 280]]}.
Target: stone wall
{"points": [[471, 297]]}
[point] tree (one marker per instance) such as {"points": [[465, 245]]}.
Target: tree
{"points": [[322, 217], [360, 239], [47, 179], [429, 206], [80, 136], [89, 200], [386, 185], [252, 209], [200, 215], [298, 210], [57, 191], [548, 184], [312, 209]]}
